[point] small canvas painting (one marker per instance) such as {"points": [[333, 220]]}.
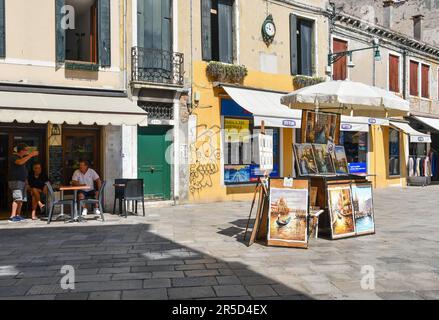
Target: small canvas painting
{"points": [[362, 200], [340, 160], [288, 215], [341, 211], [323, 160], [305, 159]]}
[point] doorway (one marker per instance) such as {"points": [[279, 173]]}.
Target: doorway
{"points": [[151, 161], [10, 137]]}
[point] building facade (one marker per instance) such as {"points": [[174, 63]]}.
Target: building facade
{"points": [[406, 66], [63, 87]]}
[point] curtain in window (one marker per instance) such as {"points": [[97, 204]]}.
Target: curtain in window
{"points": [[60, 32], [2, 29], [104, 33], [225, 22], [206, 29], [306, 35]]}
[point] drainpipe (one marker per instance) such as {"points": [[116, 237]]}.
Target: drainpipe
{"points": [[125, 67]]}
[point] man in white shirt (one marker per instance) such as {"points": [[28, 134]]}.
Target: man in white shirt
{"points": [[87, 176]]}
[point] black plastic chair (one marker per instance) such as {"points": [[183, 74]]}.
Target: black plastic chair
{"points": [[54, 202], [119, 194], [97, 201], [134, 192]]}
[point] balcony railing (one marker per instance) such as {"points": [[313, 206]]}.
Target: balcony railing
{"points": [[157, 66]]}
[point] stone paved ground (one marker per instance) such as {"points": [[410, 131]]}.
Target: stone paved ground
{"points": [[194, 252]]}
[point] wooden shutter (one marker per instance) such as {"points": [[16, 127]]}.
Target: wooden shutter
{"points": [[425, 81], [206, 29], [2, 29], [93, 34], [104, 33], [414, 84], [340, 71], [225, 28], [60, 46], [306, 40], [293, 45], [393, 73]]}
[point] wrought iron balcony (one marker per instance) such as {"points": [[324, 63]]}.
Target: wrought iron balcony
{"points": [[157, 66]]}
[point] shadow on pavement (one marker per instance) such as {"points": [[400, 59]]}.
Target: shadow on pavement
{"points": [[123, 262]]}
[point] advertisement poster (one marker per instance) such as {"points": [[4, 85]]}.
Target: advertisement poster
{"points": [[363, 209], [265, 152], [341, 211], [288, 215]]}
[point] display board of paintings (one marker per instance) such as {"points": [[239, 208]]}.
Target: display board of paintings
{"points": [[304, 155], [362, 200], [340, 160], [341, 211], [320, 127], [323, 158]]}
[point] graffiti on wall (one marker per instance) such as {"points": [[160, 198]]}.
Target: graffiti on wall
{"points": [[204, 158]]}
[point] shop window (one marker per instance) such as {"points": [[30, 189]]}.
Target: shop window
{"points": [[217, 30], [302, 46], [425, 81], [340, 71], [356, 147], [240, 146], [414, 81], [394, 73], [83, 33], [394, 153]]}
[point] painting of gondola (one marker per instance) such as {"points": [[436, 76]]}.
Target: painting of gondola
{"points": [[362, 201], [341, 211], [288, 216], [305, 160], [340, 160], [323, 158]]}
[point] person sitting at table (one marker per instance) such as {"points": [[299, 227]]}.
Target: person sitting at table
{"points": [[38, 189], [88, 177]]}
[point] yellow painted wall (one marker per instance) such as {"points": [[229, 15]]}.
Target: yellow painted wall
{"points": [[379, 158], [205, 168]]}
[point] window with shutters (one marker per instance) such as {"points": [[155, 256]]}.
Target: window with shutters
{"points": [[2, 30], [83, 31], [217, 30], [414, 78], [302, 46], [394, 73], [425, 81], [339, 68]]}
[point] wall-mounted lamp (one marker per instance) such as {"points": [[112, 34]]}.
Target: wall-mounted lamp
{"points": [[334, 57]]}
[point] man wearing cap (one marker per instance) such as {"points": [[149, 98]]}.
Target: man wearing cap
{"points": [[17, 178]]}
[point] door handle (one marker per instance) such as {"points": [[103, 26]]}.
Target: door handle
{"points": [[152, 169]]}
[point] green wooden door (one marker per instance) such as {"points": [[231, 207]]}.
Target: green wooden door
{"points": [[151, 161]]}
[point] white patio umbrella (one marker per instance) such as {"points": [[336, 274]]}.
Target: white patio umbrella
{"points": [[348, 98]]}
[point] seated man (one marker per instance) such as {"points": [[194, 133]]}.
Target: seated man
{"points": [[37, 187], [87, 176]]}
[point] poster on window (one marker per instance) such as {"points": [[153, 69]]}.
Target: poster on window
{"points": [[288, 216], [341, 211], [362, 200], [265, 147]]}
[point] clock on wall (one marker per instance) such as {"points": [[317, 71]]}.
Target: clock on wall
{"points": [[268, 30]]}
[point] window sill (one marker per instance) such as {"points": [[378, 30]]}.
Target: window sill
{"points": [[81, 66]]}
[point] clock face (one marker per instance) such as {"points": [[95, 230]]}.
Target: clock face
{"points": [[270, 29]]}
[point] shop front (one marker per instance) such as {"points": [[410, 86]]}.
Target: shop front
{"points": [[66, 129]]}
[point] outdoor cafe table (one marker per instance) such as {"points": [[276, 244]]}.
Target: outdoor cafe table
{"points": [[75, 190]]}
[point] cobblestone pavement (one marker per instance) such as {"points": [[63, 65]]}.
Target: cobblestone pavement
{"points": [[195, 252]]}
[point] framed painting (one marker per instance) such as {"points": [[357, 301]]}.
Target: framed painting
{"points": [[288, 217], [340, 160], [323, 159], [305, 160], [320, 127], [341, 211], [362, 200]]}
